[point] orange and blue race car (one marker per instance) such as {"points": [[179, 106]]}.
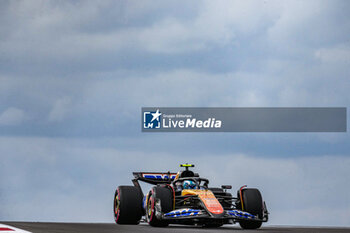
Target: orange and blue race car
{"points": [[186, 198]]}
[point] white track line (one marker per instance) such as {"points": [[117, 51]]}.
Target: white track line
{"points": [[10, 229]]}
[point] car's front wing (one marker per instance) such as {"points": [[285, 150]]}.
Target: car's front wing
{"points": [[187, 213]]}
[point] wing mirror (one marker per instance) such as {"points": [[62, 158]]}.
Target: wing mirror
{"points": [[226, 186]]}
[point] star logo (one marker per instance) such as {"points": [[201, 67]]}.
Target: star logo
{"points": [[152, 120], [156, 115]]}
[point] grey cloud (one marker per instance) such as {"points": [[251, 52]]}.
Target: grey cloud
{"points": [[117, 97], [60, 109], [55, 34], [12, 116], [339, 53]]}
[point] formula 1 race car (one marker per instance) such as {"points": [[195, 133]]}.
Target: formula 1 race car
{"points": [[186, 198]]}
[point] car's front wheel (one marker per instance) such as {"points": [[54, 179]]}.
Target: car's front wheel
{"points": [[253, 204]]}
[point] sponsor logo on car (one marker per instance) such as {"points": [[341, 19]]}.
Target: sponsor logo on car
{"points": [[158, 176], [183, 213]]}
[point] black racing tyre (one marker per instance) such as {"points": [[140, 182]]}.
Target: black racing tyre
{"points": [[165, 195], [250, 224], [253, 204], [127, 206]]}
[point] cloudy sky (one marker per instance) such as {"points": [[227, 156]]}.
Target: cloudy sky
{"points": [[75, 74]]}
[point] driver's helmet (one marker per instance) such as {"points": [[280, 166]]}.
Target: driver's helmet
{"points": [[189, 184]]}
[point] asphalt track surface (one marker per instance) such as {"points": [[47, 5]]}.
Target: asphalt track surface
{"points": [[39, 227]]}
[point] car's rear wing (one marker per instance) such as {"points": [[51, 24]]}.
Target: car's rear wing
{"points": [[152, 178], [155, 177]]}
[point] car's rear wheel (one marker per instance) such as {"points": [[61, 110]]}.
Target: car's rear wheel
{"points": [[253, 204], [127, 205], [165, 196]]}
